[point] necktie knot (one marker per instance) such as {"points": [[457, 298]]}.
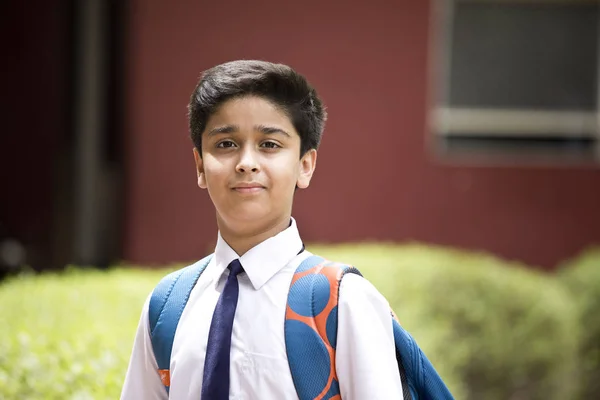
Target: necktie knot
{"points": [[235, 267]]}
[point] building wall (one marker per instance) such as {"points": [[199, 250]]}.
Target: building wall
{"points": [[375, 179], [34, 123]]}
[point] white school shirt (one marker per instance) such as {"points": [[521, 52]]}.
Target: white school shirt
{"points": [[366, 363]]}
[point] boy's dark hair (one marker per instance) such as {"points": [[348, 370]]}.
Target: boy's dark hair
{"points": [[278, 83]]}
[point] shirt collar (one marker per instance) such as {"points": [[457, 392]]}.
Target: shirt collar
{"points": [[265, 259]]}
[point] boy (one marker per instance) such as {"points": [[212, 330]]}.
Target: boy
{"points": [[256, 127]]}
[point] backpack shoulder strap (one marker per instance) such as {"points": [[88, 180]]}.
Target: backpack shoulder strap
{"points": [[166, 306], [311, 332], [311, 327], [420, 380]]}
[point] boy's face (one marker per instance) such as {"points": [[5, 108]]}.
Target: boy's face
{"points": [[251, 163]]}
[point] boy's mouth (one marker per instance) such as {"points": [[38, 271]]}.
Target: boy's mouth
{"points": [[248, 188]]}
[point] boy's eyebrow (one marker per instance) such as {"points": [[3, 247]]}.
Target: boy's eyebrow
{"points": [[266, 129], [270, 130], [223, 129]]}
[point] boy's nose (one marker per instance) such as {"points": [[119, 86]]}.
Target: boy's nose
{"points": [[246, 169], [248, 162]]}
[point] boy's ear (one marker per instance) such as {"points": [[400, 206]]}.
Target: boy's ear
{"points": [[308, 163], [199, 169]]}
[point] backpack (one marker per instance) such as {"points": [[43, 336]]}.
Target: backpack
{"points": [[310, 331]]}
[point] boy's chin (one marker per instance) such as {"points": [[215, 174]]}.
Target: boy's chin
{"points": [[251, 214]]}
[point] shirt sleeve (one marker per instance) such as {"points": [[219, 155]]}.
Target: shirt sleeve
{"points": [[365, 355], [142, 380]]}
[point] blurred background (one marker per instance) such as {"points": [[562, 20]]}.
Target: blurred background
{"points": [[461, 133]]}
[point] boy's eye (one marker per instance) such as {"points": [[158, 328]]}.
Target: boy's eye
{"points": [[270, 145], [225, 144]]}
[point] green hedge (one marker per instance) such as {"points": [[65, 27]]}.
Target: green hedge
{"points": [[582, 277], [69, 336], [493, 329]]}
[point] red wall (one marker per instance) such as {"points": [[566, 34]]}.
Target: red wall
{"points": [[375, 178]]}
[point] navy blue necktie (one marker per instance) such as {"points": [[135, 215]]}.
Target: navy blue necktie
{"points": [[215, 383]]}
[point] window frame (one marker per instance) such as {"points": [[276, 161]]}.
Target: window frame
{"points": [[446, 123]]}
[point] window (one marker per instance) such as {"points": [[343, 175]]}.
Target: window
{"points": [[517, 79]]}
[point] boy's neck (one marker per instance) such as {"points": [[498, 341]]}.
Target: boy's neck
{"points": [[243, 240]]}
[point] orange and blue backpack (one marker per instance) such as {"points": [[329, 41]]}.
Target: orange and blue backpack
{"points": [[310, 331]]}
